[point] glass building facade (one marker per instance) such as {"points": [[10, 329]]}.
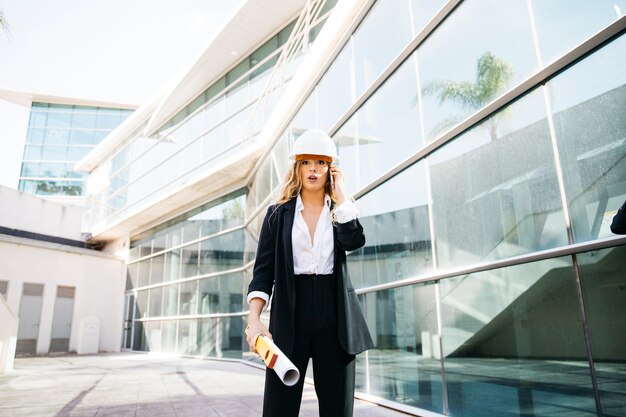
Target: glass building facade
{"points": [[58, 136], [222, 121], [485, 142]]}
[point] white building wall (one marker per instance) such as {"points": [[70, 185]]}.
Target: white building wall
{"points": [[23, 211], [98, 279]]}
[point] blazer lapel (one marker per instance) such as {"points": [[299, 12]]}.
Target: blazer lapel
{"points": [[289, 210]]}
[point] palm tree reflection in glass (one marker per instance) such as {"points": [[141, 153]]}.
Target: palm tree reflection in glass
{"points": [[492, 77]]}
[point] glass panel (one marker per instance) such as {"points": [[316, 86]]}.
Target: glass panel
{"points": [[76, 153], [172, 265], [55, 119], [170, 300], [37, 118], [405, 366], [168, 340], [191, 230], [83, 137], [30, 169], [494, 189], [188, 303], [222, 294], [222, 252], [32, 152], [156, 302], [133, 272], [84, 120], [561, 27], [395, 221], [422, 11], [54, 153], [142, 304], [515, 334], [158, 266], [589, 105], [139, 337], [153, 335], [144, 273], [187, 337], [482, 67], [334, 90], [56, 136], [107, 121], [191, 255], [375, 45], [220, 337], [604, 289], [159, 241], [388, 128], [34, 135]]}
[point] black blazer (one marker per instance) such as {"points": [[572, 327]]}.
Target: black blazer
{"points": [[273, 268]]}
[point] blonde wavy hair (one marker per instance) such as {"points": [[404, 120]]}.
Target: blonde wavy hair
{"points": [[293, 185]]}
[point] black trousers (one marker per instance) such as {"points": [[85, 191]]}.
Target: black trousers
{"points": [[316, 338]]}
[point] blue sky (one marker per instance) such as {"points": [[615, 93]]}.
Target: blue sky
{"points": [[115, 50]]}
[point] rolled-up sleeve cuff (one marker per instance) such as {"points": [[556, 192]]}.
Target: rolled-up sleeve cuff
{"points": [[259, 294], [346, 211]]}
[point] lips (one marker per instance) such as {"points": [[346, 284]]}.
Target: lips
{"points": [[312, 177]]}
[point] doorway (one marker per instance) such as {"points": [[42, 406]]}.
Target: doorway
{"points": [[62, 319], [29, 319]]}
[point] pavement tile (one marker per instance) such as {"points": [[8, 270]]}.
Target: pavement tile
{"points": [[138, 385]]}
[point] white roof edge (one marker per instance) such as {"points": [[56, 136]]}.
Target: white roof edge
{"points": [[26, 98], [249, 23]]}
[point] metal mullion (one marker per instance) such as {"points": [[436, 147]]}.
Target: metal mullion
{"points": [[570, 236], [197, 277], [53, 179], [512, 261], [191, 242], [538, 78], [195, 316]]}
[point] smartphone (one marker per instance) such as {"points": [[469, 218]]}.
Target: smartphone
{"points": [[332, 180]]}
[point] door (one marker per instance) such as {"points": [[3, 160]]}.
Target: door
{"points": [[62, 319], [128, 321], [29, 319]]}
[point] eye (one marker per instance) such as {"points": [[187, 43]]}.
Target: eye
{"points": [[320, 162], [305, 162]]}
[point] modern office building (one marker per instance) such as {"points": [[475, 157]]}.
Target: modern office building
{"points": [[60, 132], [485, 144]]}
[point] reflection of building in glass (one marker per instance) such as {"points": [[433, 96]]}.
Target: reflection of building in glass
{"points": [[59, 135], [490, 280]]}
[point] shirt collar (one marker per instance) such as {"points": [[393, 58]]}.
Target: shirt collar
{"points": [[300, 205]]}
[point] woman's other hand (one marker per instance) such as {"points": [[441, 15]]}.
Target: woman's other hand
{"points": [[255, 327], [338, 180]]}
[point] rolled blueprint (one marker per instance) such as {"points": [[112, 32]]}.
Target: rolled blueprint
{"points": [[275, 359]]}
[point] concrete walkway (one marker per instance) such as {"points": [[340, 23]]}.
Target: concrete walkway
{"points": [[138, 385]]}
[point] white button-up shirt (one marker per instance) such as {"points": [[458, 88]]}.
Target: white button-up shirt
{"points": [[316, 257]]}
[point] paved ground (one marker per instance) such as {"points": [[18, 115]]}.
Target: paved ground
{"points": [[137, 385]]}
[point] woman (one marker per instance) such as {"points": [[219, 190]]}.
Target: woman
{"points": [[301, 256]]}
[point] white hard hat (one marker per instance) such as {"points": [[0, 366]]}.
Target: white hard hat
{"points": [[314, 142]]}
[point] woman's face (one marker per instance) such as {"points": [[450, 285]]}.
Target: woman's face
{"points": [[314, 174]]}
